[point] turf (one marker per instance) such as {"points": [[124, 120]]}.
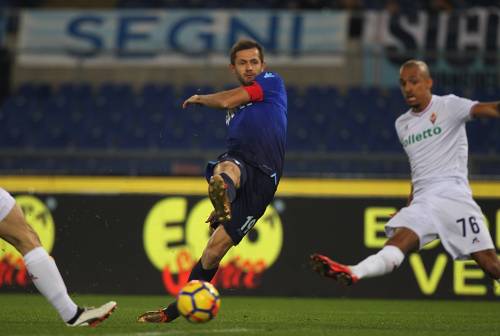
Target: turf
{"points": [[31, 315]]}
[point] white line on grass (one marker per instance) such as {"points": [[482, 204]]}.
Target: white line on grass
{"points": [[190, 332], [173, 332]]}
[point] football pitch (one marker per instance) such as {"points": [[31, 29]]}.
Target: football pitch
{"points": [[31, 315]]}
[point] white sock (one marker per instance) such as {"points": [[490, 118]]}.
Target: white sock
{"points": [[47, 279], [385, 261]]}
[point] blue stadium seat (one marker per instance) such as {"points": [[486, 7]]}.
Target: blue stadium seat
{"points": [[113, 116]]}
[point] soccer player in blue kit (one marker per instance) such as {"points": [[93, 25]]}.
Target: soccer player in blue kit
{"points": [[243, 180]]}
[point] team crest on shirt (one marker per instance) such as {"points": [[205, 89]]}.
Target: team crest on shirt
{"points": [[433, 117]]}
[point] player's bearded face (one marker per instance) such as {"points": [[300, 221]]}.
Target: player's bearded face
{"points": [[416, 87], [247, 65]]}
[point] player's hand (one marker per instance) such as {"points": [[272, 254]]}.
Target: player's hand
{"points": [[194, 99]]}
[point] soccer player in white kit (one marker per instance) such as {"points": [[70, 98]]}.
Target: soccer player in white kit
{"points": [[42, 269], [440, 206]]}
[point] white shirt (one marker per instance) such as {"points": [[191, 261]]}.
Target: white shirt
{"points": [[435, 139]]}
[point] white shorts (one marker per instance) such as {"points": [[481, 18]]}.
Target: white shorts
{"points": [[447, 211], [7, 202]]}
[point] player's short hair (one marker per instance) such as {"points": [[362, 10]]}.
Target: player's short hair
{"points": [[244, 45], [419, 64]]}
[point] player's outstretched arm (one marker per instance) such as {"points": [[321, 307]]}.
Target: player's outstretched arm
{"points": [[221, 100], [486, 110]]}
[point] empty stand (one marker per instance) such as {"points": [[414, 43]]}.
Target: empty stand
{"points": [[114, 118]]}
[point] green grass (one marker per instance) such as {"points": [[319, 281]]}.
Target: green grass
{"points": [[31, 315]]}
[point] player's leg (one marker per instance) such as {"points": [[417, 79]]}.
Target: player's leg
{"points": [[231, 170], [390, 257], [249, 204], [385, 261], [463, 231], [489, 263], [224, 178], [16, 231], [222, 188], [219, 243], [217, 247], [408, 231], [41, 267]]}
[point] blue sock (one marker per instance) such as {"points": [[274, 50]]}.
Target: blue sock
{"points": [[199, 273], [231, 189], [171, 311]]}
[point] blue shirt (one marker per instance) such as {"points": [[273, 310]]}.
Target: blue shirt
{"points": [[257, 130]]}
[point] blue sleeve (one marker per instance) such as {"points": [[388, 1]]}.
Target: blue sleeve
{"points": [[271, 84]]}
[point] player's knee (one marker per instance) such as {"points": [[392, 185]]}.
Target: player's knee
{"points": [[26, 240], [231, 170]]}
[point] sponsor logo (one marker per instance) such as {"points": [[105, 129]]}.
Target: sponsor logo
{"points": [[13, 271], [174, 238], [234, 274], [417, 137], [268, 75]]}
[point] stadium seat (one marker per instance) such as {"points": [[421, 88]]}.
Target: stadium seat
{"points": [[114, 116]]}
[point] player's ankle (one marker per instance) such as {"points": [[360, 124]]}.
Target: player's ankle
{"points": [[79, 311], [171, 311], [355, 272]]}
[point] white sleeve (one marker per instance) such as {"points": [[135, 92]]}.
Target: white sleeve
{"points": [[460, 108]]}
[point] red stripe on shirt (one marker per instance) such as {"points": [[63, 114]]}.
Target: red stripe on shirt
{"points": [[255, 92]]}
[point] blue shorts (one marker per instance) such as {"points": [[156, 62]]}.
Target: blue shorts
{"points": [[256, 192]]}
